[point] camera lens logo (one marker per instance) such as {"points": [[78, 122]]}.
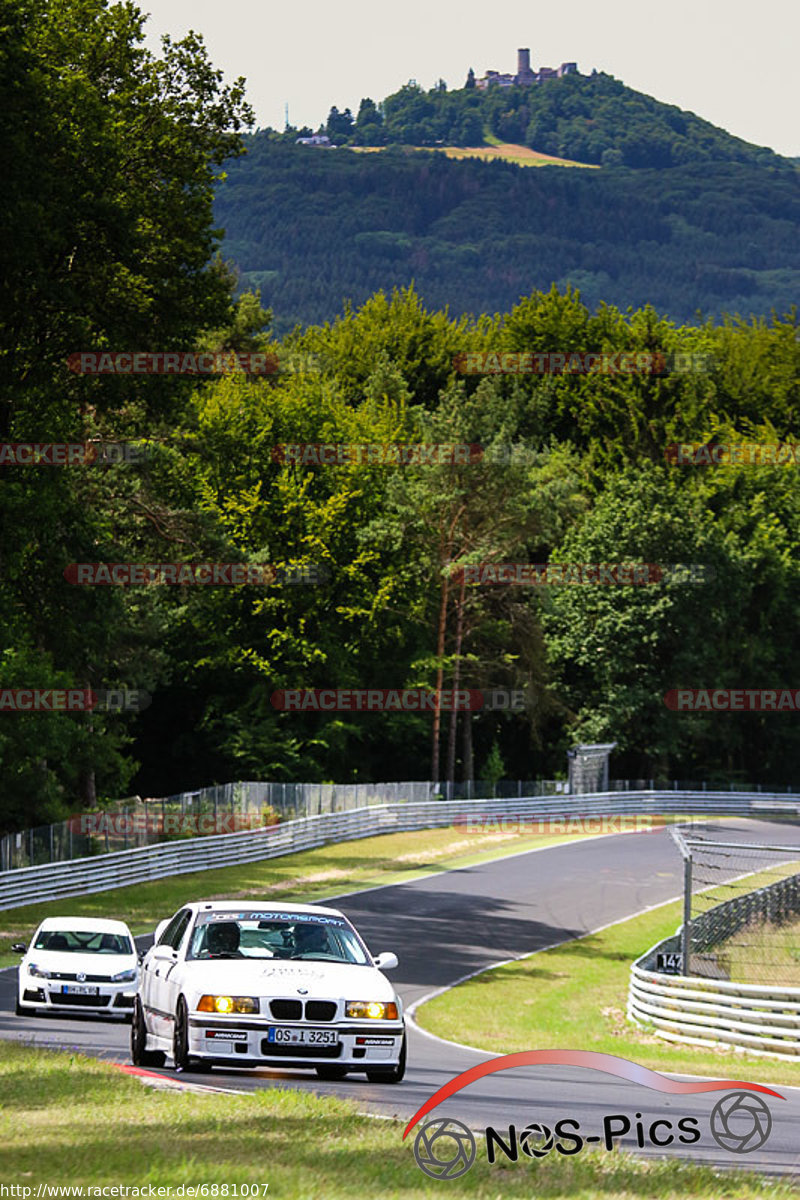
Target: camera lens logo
{"points": [[444, 1148], [740, 1122], [536, 1140]]}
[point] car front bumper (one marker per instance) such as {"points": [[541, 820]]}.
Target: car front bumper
{"points": [[244, 1042], [49, 994]]}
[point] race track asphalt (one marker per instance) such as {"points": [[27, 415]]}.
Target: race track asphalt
{"points": [[448, 925]]}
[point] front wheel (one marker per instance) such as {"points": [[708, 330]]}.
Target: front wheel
{"points": [[140, 1055], [180, 1042], [390, 1074]]}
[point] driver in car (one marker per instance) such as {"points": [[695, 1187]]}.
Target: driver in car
{"points": [[222, 940]]}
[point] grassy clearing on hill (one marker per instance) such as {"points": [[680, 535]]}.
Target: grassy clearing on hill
{"points": [[510, 152], [69, 1120], [307, 876], [523, 156]]}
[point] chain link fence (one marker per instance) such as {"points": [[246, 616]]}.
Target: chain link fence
{"points": [[231, 807], [741, 909]]}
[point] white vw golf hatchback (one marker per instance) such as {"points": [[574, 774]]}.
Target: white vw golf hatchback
{"points": [[78, 964]]}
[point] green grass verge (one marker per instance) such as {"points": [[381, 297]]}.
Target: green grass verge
{"points": [[763, 952], [760, 952], [308, 876], [71, 1121], [575, 997]]}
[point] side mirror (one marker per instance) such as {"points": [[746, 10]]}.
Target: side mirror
{"points": [[386, 961], [19, 948], [159, 930], [140, 955]]}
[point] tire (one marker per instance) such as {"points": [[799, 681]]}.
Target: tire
{"points": [[390, 1074], [140, 1055], [18, 1009], [331, 1071], [180, 1042]]}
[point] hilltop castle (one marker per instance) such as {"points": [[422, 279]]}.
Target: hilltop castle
{"points": [[525, 77]]}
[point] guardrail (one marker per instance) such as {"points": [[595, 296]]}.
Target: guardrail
{"points": [[230, 808], [51, 881], [703, 1012]]}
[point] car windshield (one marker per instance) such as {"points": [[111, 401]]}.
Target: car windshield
{"points": [[83, 941], [269, 936]]}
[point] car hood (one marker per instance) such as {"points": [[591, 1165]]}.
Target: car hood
{"points": [[90, 964], [320, 980]]}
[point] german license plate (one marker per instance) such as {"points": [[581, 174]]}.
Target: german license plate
{"points": [[289, 1035], [78, 989]]}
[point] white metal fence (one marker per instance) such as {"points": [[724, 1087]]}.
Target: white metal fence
{"points": [[96, 874], [702, 1012]]}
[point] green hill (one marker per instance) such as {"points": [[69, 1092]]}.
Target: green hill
{"points": [[589, 118]]}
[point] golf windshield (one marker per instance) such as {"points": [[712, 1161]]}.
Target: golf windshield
{"points": [[83, 941]]}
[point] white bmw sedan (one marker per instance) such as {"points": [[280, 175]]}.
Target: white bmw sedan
{"points": [[246, 985], [78, 964]]}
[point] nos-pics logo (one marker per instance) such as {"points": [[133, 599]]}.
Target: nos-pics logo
{"points": [[444, 1148]]}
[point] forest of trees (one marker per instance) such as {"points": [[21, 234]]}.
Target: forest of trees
{"points": [[311, 227], [125, 161]]}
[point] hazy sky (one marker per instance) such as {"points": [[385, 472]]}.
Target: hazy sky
{"points": [[733, 62]]}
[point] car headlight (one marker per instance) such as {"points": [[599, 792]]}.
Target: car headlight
{"points": [[228, 1004], [377, 1009], [34, 970], [124, 976]]}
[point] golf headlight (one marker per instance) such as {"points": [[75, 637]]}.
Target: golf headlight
{"points": [[124, 976], [228, 1004], [34, 970], [376, 1009]]}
